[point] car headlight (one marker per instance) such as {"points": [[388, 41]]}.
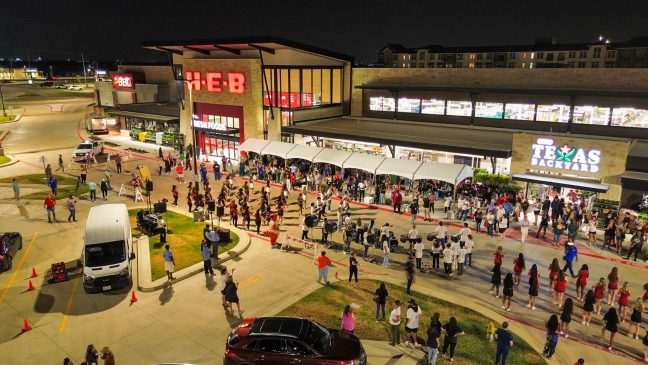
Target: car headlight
{"points": [[124, 272], [88, 279]]}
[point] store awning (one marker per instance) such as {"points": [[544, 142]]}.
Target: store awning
{"points": [[253, 145], [561, 182], [334, 157], [450, 173], [304, 152], [394, 166], [364, 162], [635, 180], [276, 148], [145, 116]]}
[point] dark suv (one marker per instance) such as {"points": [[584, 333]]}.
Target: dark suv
{"points": [[289, 340], [10, 243]]}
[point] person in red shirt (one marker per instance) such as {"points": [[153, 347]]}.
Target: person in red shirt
{"points": [[49, 204], [323, 264], [180, 172], [581, 282]]}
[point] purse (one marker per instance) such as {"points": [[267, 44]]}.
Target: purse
{"points": [[376, 298]]}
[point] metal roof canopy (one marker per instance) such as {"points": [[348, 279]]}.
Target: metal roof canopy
{"points": [[276, 148], [304, 152], [147, 116], [333, 157], [363, 162], [253, 145], [450, 173], [562, 182], [398, 167]]}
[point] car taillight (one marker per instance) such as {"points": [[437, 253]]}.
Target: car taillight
{"points": [[230, 354]]}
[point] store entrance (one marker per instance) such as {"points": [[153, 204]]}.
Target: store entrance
{"points": [[218, 146]]}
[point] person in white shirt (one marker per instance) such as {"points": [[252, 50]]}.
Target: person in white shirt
{"points": [[503, 226], [441, 232], [413, 318], [304, 229], [413, 236], [418, 253], [386, 252], [591, 236], [464, 232], [447, 259], [469, 247], [447, 203], [461, 258], [394, 322], [524, 228], [454, 246]]}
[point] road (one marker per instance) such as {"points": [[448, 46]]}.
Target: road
{"points": [[188, 315]]}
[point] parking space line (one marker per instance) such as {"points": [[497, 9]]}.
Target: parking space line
{"points": [[20, 264], [69, 304]]}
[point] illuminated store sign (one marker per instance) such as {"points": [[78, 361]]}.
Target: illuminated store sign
{"points": [[215, 126], [123, 81], [547, 154], [215, 81]]}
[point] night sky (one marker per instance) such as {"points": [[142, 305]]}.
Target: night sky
{"points": [[113, 29]]}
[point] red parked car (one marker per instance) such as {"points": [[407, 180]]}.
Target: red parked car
{"points": [[289, 340], [10, 243]]}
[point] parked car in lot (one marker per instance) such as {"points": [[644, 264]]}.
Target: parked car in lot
{"points": [[10, 243], [89, 146], [61, 86], [289, 340], [47, 84], [75, 88]]}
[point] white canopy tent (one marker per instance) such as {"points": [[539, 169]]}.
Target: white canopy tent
{"points": [[450, 173], [334, 157], [304, 152], [279, 149], [363, 162], [253, 145], [398, 167]]}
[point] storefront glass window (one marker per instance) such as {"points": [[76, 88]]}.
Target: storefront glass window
{"points": [[326, 86], [462, 108], [294, 88], [553, 113], [432, 106], [591, 115], [488, 110], [381, 104], [630, 117], [407, 105], [337, 86], [519, 111], [317, 87]]}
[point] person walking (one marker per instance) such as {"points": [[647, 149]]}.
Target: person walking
{"points": [[347, 320], [386, 252], [560, 287], [566, 317], [91, 355], [118, 163], [409, 274], [534, 285], [60, 167], [524, 228], [169, 262], [50, 205], [452, 332], [571, 255], [48, 173], [581, 282], [394, 323], [71, 205], [588, 307], [552, 336], [413, 319], [635, 318], [380, 298], [104, 189], [613, 285], [16, 190], [507, 292], [611, 319], [323, 264], [206, 255], [636, 244], [305, 228], [231, 295], [53, 186], [353, 268], [107, 177], [92, 188], [504, 339], [433, 333], [599, 294], [518, 267], [107, 356]]}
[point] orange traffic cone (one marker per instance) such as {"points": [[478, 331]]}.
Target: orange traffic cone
{"points": [[26, 326], [30, 287], [133, 297], [34, 274], [336, 276]]}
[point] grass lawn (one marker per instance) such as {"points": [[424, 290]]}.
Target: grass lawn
{"points": [[8, 118], [184, 241], [66, 185], [325, 305], [79, 94], [4, 160]]}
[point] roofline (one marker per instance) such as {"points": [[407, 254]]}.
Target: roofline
{"points": [[250, 39]]}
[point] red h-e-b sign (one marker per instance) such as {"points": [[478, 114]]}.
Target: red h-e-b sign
{"points": [[123, 81], [213, 81]]}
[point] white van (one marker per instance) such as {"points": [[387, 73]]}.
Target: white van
{"points": [[107, 249]]}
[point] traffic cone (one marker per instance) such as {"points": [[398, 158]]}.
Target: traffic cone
{"points": [[34, 274], [26, 326], [30, 287], [133, 297], [336, 276]]}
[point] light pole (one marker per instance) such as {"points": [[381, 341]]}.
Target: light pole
{"points": [[4, 111], [194, 140]]}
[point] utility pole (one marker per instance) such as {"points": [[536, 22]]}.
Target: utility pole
{"points": [[4, 112], [85, 75]]}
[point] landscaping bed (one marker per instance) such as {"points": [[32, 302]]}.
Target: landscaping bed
{"points": [[325, 305], [66, 185]]}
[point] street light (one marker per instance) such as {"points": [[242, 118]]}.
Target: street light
{"points": [[4, 112], [194, 139]]}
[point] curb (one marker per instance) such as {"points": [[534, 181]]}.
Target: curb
{"points": [[10, 163], [144, 283]]}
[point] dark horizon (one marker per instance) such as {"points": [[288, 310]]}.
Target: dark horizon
{"points": [[115, 30]]}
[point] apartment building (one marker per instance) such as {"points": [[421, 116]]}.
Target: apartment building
{"points": [[543, 54]]}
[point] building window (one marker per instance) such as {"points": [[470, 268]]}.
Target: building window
{"points": [[433, 106], [630, 117], [553, 113], [583, 54], [591, 115], [461, 108], [489, 110], [561, 56], [595, 64], [540, 55], [489, 56], [610, 54], [523, 64], [512, 56], [519, 111], [597, 52], [571, 64], [406, 105], [550, 56], [460, 56], [382, 104], [581, 64], [480, 56], [511, 65], [572, 54], [471, 65]]}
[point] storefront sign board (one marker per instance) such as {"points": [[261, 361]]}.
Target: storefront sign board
{"points": [[123, 81]]}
